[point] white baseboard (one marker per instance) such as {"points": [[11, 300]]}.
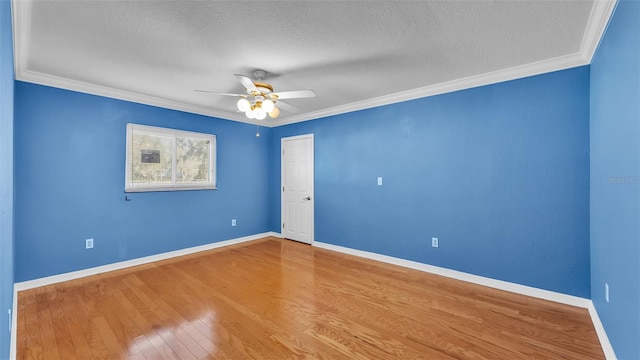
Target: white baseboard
{"points": [[14, 326], [30, 284], [459, 275], [602, 334]]}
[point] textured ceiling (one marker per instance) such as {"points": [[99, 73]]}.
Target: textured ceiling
{"points": [[353, 54]]}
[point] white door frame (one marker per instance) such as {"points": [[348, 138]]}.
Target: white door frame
{"points": [[282, 179]]}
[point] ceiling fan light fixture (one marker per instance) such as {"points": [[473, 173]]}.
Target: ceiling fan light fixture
{"points": [[243, 105], [260, 99], [268, 105]]}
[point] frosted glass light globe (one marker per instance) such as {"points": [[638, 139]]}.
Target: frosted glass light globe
{"points": [[274, 113], [250, 114], [243, 105], [268, 105], [260, 114]]}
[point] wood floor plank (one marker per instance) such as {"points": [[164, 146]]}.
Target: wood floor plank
{"points": [[81, 346], [21, 336], [64, 339], [100, 328], [278, 299], [83, 314], [152, 339], [33, 342], [142, 298], [47, 332]]}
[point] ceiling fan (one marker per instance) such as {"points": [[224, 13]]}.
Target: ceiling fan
{"points": [[260, 99]]}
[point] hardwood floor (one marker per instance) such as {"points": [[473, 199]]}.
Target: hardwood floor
{"points": [[278, 299]]}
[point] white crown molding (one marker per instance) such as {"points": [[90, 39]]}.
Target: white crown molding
{"points": [[602, 334], [21, 18], [517, 72], [459, 275], [87, 88], [601, 13], [598, 20]]}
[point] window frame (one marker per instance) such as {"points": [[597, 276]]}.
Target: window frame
{"points": [[129, 186]]}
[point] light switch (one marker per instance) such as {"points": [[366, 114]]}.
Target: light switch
{"points": [[379, 180]]}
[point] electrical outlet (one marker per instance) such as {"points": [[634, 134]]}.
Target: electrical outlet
{"points": [[233, 222], [434, 242], [88, 244], [606, 292], [379, 180]]}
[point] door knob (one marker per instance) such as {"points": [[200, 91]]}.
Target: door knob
{"points": [[307, 198]]}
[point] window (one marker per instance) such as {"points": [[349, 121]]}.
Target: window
{"points": [[160, 159]]}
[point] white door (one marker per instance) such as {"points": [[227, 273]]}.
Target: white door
{"points": [[297, 188]]}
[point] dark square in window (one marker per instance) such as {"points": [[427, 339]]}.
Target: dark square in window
{"points": [[150, 156]]}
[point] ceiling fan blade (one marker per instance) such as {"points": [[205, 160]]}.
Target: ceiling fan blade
{"points": [[219, 93], [286, 107], [295, 94], [247, 83]]}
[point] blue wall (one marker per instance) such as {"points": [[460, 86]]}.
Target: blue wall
{"points": [[6, 174], [499, 173], [69, 162], [615, 179]]}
